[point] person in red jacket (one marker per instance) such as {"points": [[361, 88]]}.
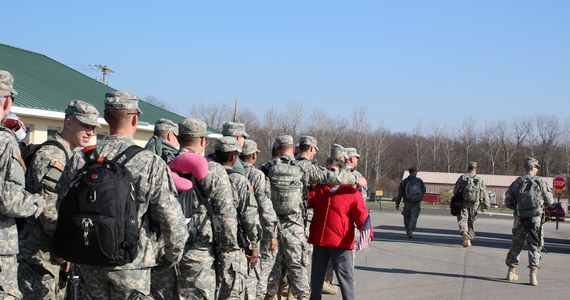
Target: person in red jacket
{"points": [[336, 210]]}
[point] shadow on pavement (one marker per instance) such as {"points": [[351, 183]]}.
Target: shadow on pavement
{"points": [[436, 236], [405, 271]]}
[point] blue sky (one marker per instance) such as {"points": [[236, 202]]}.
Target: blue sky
{"points": [[434, 62]]}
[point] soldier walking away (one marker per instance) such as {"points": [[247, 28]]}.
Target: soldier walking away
{"points": [[151, 186], [412, 190], [38, 274], [528, 195], [475, 196], [164, 142], [15, 201]]}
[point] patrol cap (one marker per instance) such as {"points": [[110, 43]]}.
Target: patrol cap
{"points": [[6, 84], [192, 128], [83, 111], [166, 125], [413, 169], [351, 152], [249, 147], [472, 164], [283, 140], [234, 129], [308, 140], [117, 100], [227, 144], [531, 162], [336, 150]]}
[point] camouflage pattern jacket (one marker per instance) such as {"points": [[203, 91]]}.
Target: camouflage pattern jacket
{"points": [[513, 190], [261, 189]]}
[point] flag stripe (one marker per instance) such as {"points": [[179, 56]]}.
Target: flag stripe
{"points": [[364, 235]]}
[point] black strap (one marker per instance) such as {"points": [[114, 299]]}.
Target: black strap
{"points": [[123, 157], [57, 144], [217, 226]]}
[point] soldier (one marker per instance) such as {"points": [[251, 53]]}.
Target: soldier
{"points": [[164, 142], [38, 275], [236, 130], [412, 190], [267, 217], [154, 189], [474, 193], [15, 201], [235, 274], [528, 195], [351, 164]]}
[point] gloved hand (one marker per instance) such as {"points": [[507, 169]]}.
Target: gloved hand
{"points": [[192, 163], [182, 184]]}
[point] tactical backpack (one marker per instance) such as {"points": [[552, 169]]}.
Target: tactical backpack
{"points": [[456, 204], [472, 189], [529, 198], [286, 186], [98, 218], [413, 191], [29, 151]]}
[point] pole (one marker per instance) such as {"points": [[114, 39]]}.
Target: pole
{"points": [[557, 218], [235, 111]]}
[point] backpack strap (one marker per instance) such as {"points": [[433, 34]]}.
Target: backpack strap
{"points": [[123, 157], [209, 210], [57, 144]]}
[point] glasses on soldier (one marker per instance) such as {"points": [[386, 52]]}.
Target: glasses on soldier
{"points": [[138, 113]]}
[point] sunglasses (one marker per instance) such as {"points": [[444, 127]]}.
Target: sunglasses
{"points": [[138, 113]]}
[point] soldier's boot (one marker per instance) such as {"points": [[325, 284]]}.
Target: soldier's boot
{"points": [[283, 291], [330, 289], [409, 233], [512, 274], [466, 241], [532, 278], [271, 297]]}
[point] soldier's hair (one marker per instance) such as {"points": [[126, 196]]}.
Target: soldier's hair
{"points": [[304, 147], [161, 133], [117, 117], [471, 168], [245, 157], [223, 157], [185, 140]]}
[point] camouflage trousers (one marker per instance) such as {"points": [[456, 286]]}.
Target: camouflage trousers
{"points": [[519, 237], [233, 276], [466, 219], [265, 265], [40, 282], [411, 212], [9, 277], [293, 251], [104, 283], [197, 278]]}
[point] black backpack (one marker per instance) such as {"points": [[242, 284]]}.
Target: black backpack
{"points": [[29, 151], [456, 204], [97, 221]]}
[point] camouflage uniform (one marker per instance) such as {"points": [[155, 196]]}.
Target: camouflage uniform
{"points": [[38, 275], [411, 211], [235, 129], [15, 201], [466, 218], [160, 146], [154, 188]]}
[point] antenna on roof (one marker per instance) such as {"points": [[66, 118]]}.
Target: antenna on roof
{"points": [[105, 71]]}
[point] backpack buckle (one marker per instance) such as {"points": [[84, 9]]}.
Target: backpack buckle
{"points": [[86, 223]]}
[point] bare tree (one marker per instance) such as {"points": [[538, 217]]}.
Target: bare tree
{"points": [[158, 103], [548, 132], [506, 143], [490, 145], [378, 150], [468, 137], [435, 140], [214, 114], [418, 144], [361, 134], [449, 143], [522, 129]]}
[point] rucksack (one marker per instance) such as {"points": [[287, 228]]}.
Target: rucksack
{"points": [[413, 191], [472, 189], [29, 151], [98, 218], [456, 204], [286, 186], [529, 198]]}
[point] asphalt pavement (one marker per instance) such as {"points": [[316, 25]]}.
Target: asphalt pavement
{"points": [[434, 265]]}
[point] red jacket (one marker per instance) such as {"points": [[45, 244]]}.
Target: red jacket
{"points": [[334, 216]]}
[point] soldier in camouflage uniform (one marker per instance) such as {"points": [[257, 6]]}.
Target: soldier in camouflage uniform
{"points": [[411, 211], [267, 218], [155, 190], [236, 130], [227, 150], [466, 218], [15, 201], [529, 229], [164, 142], [352, 164], [38, 273]]}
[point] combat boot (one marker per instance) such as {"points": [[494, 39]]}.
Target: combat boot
{"points": [[330, 289], [466, 241], [532, 278], [409, 233], [283, 291], [512, 274], [270, 297]]}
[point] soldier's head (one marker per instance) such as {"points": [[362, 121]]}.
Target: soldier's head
{"points": [[79, 123], [236, 130], [413, 170], [249, 152], [472, 167], [7, 94], [167, 130], [122, 113], [227, 150], [193, 135], [338, 151], [531, 165], [308, 147], [353, 157], [284, 145]]}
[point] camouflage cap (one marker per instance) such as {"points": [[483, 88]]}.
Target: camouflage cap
{"points": [[192, 128], [283, 140], [234, 129], [308, 140], [472, 164], [249, 147], [337, 150], [6, 84], [166, 125], [531, 162], [227, 144], [84, 112], [351, 152], [117, 100]]}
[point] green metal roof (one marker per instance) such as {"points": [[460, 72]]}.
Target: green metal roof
{"points": [[43, 83]]}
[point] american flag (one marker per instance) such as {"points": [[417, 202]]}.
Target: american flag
{"points": [[366, 235]]}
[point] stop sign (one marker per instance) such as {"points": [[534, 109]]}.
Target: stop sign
{"points": [[559, 183]]}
